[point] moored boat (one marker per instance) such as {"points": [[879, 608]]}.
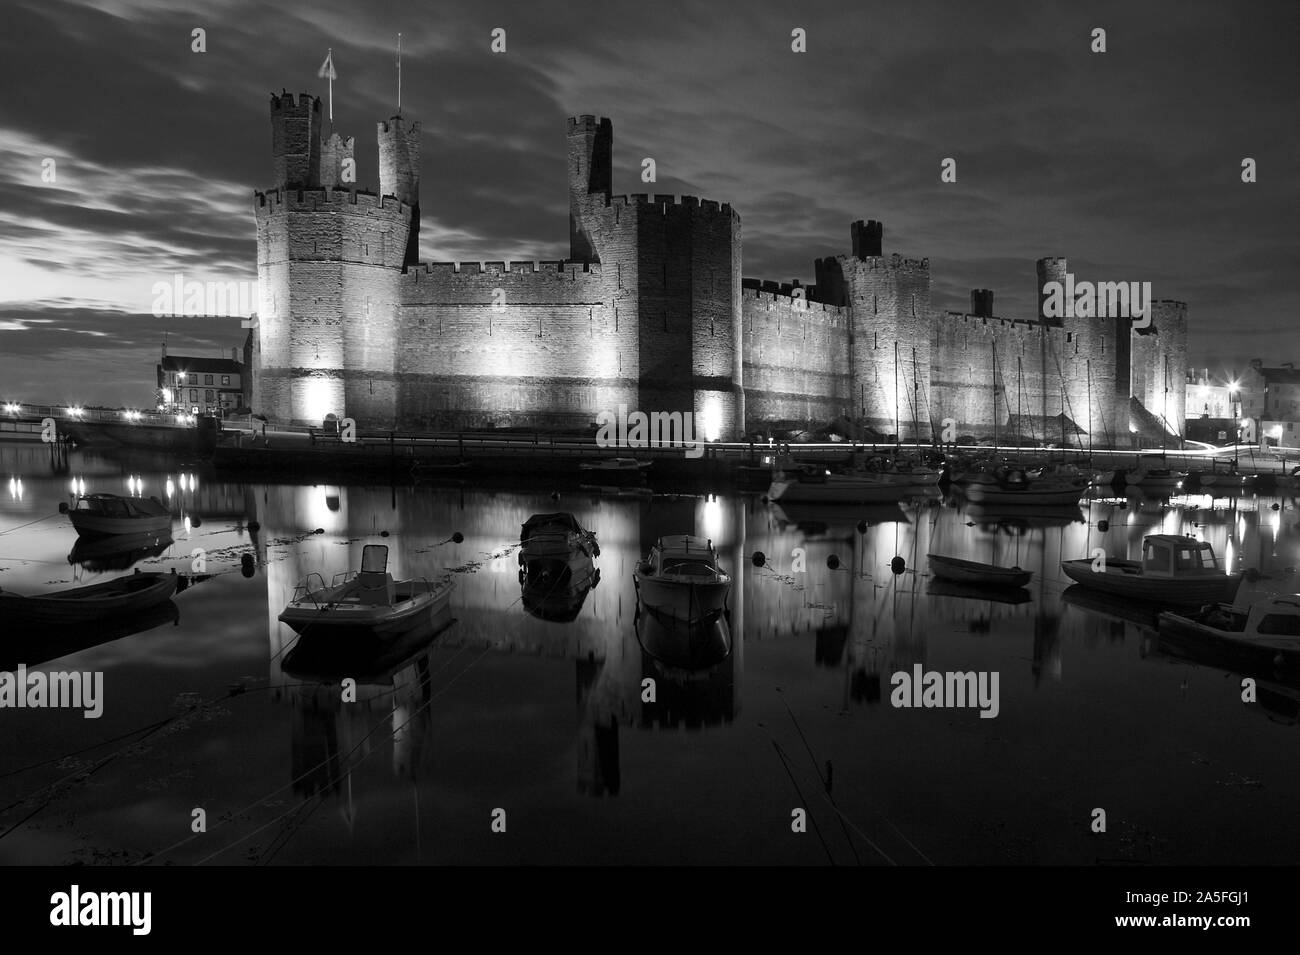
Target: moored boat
{"points": [[1015, 486], [368, 599], [1152, 474], [615, 469], [974, 573], [121, 595], [680, 578], [556, 566], [1174, 571], [1270, 627], [106, 515]]}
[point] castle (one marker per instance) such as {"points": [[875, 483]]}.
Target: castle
{"points": [[650, 311]]}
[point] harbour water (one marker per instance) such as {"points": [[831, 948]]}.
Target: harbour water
{"points": [[545, 726]]}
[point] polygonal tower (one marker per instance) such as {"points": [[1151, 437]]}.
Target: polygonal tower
{"points": [[328, 264]]}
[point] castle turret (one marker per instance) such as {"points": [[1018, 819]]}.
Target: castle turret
{"points": [[329, 264], [334, 153], [399, 174], [889, 302], [981, 302], [591, 170], [295, 139], [1050, 269]]}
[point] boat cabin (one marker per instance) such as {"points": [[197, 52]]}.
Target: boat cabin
{"points": [[1275, 616], [683, 555], [1169, 555], [112, 505]]}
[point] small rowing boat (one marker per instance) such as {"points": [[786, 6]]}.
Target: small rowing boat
{"points": [[122, 595], [973, 573]]}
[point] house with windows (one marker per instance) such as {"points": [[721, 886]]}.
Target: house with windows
{"points": [[189, 384], [1270, 404]]}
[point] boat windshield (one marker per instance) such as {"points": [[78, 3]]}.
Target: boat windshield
{"points": [[692, 568]]}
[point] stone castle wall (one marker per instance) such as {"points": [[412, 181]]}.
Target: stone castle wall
{"points": [[796, 366], [649, 311]]}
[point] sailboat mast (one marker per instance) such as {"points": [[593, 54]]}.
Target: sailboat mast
{"points": [[1089, 367], [898, 438], [916, 402], [993, 348]]}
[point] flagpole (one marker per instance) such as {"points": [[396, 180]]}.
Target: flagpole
{"points": [[327, 70], [399, 74]]}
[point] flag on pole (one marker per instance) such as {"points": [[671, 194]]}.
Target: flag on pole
{"points": [[327, 70]]}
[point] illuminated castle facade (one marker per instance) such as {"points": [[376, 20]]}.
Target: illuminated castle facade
{"points": [[650, 311]]}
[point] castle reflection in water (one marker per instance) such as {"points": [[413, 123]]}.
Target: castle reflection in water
{"points": [[858, 616]]}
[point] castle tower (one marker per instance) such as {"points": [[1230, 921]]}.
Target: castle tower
{"points": [[328, 265], [399, 174], [1050, 269], [1166, 397], [334, 152], [591, 170], [295, 139], [890, 335]]}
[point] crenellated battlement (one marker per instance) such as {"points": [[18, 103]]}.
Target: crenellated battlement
{"points": [[992, 321], [893, 262], [321, 199], [287, 102], [787, 300], [587, 121], [670, 202], [546, 268]]}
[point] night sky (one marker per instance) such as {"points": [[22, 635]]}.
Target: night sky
{"points": [[1128, 162]]}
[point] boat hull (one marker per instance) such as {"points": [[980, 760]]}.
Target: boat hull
{"points": [[987, 493], [123, 595], [99, 525], [972, 573], [686, 602], [839, 489], [316, 612], [1191, 632], [1170, 591]]}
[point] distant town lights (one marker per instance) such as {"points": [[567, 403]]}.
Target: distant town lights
{"points": [[11, 407], [75, 411]]}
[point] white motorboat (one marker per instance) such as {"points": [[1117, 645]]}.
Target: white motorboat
{"points": [[367, 600], [680, 578], [1271, 625], [107, 515]]}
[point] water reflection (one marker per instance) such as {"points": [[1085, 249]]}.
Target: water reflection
{"points": [[485, 711]]}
